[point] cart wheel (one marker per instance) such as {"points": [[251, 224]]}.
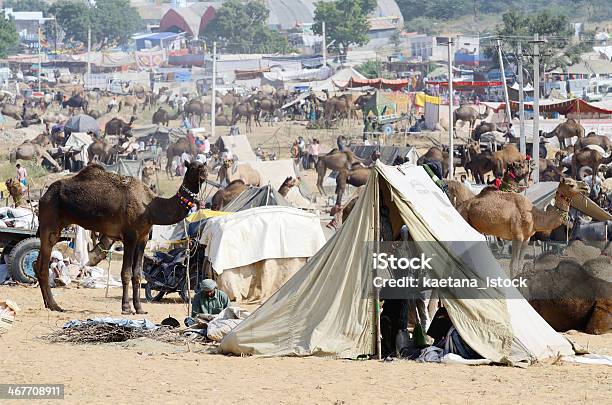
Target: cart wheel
{"points": [[22, 258], [149, 294], [387, 129]]}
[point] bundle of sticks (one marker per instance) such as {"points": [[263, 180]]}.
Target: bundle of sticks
{"points": [[105, 333]]}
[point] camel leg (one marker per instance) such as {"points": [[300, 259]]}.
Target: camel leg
{"points": [[514, 260], [600, 321], [136, 274], [49, 236], [321, 170], [129, 247]]}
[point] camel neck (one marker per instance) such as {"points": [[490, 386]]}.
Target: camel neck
{"points": [[168, 211]]}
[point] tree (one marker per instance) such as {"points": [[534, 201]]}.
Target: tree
{"points": [[8, 37], [371, 69], [111, 21], [558, 51], [241, 27], [28, 5], [346, 22]]}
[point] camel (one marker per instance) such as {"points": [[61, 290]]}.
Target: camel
{"points": [[119, 207], [502, 158], [483, 128], [334, 160], [76, 101], [102, 151], [458, 193], [437, 154], [511, 216], [177, 148], [129, 101], [572, 292], [590, 156], [161, 116], [593, 139], [148, 177], [356, 177], [12, 110], [231, 171], [117, 126], [566, 130], [468, 114], [225, 195], [287, 185], [245, 109], [15, 189], [31, 151], [267, 105], [230, 99], [196, 107], [42, 140]]}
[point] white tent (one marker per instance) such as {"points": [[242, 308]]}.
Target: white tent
{"points": [[240, 146], [274, 173], [323, 310], [255, 267]]}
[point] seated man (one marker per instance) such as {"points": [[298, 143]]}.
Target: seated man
{"points": [[209, 301]]}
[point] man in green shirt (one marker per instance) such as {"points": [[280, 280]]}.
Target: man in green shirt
{"points": [[209, 301]]}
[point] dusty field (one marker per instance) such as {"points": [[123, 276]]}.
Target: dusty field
{"points": [[128, 372]]}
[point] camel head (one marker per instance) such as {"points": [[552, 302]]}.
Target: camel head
{"points": [[520, 169], [569, 188], [228, 163], [196, 174]]}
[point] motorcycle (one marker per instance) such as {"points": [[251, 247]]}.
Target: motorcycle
{"points": [[165, 273]]}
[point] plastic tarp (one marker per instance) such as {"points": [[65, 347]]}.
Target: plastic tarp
{"points": [[274, 173], [282, 233], [342, 323], [240, 146], [78, 141], [82, 123], [396, 84], [126, 168], [388, 154], [302, 74], [256, 197]]}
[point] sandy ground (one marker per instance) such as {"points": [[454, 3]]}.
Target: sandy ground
{"points": [[160, 372]]}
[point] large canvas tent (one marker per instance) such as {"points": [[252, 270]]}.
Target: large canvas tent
{"points": [[274, 173], [239, 145], [322, 309]]}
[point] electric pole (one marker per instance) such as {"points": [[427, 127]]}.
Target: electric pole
{"points": [[324, 44], [536, 107], [89, 53], [522, 145], [214, 92], [504, 83], [40, 22], [450, 111]]}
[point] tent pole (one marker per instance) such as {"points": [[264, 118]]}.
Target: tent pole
{"points": [[378, 332]]}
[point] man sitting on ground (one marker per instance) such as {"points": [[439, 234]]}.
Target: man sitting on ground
{"points": [[209, 301]]}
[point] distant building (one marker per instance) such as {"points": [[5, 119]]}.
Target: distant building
{"points": [[26, 23], [162, 40]]}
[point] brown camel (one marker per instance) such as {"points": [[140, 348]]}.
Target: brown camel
{"points": [[225, 195], [102, 151], [334, 160], [287, 185], [511, 216], [12, 110], [15, 189], [231, 171], [177, 149], [245, 109], [566, 130], [356, 177], [458, 193], [121, 208], [117, 126], [593, 139], [31, 151], [129, 101], [468, 114], [588, 157], [435, 153], [572, 292], [163, 117]]}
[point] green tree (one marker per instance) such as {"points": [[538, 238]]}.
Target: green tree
{"points": [[8, 37], [28, 5], [558, 51], [346, 22], [371, 69], [112, 22], [241, 27]]}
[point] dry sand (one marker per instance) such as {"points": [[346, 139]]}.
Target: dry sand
{"points": [[145, 370]]}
